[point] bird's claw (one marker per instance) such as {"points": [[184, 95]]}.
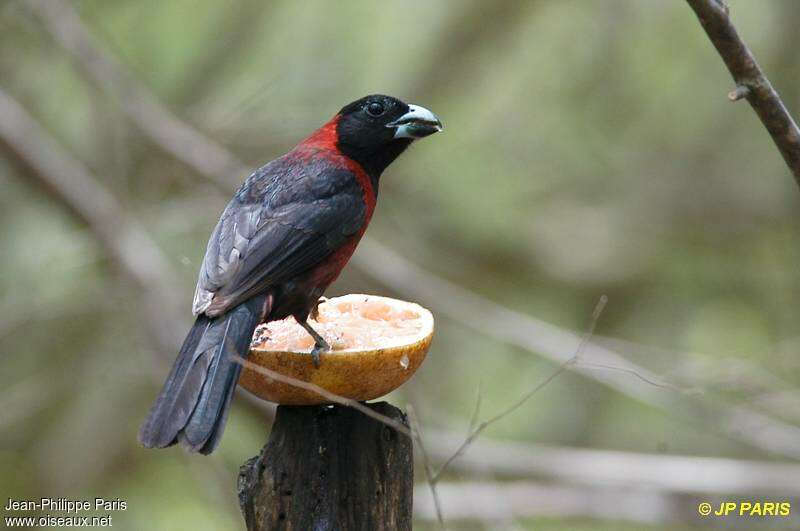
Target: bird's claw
{"points": [[320, 346], [315, 354]]}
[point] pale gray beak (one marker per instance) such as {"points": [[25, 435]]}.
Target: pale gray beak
{"points": [[418, 122]]}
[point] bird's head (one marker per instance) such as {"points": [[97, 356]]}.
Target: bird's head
{"points": [[376, 129]]}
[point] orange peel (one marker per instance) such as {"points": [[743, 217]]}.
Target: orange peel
{"points": [[377, 345]]}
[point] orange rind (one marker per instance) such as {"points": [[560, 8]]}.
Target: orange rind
{"points": [[377, 344]]}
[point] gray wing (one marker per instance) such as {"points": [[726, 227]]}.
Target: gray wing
{"points": [[283, 221]]}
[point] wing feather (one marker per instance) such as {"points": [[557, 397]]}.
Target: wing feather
{"points": [[285, 219]]}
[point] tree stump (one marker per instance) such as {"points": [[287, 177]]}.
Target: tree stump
{"points": [[330, 468]]}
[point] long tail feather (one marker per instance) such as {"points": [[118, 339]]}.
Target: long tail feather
{"points": [[193, 404]]}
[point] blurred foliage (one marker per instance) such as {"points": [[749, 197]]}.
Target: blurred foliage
{"points": [[589, 148]]}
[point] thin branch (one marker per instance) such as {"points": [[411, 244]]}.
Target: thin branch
{"points": [[123, 238], [633, 372], [699, 373], [679, 474], [473, 420], [741, 91], [324, 393], [458, 303], [426, 462], [541, 338], [206, 156], [65, 178], [751, 83], [598, 310], [490, 502]]}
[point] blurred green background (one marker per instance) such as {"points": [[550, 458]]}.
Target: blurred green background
{"points": [[589, 149]]}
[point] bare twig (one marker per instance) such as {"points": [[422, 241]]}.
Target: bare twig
{"points": [[473, 420], [491, 501], [601, 304], [633, 372], [544, 339], [73, 187], [391, 269], [751, 83], [680, 474], [324, 393], [741, 91], [700, 373], [184, 142], [417, 434], [123, 238]]}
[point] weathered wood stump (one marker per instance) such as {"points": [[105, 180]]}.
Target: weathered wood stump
{"points": [[330, 467]]}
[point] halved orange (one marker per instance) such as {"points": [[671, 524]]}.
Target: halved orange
{"points": [[377, 343]]}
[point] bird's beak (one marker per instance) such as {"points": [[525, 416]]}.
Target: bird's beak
{"points": [[418, 122]]}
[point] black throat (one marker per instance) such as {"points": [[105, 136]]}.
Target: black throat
{"points": [[374, 160]]}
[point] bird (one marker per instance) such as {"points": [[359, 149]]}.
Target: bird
{"points": [[284, 237]]}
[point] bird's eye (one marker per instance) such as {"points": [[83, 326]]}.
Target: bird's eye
{"points": [[375, 108]]}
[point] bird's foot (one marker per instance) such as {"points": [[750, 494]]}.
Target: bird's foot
{"points": [[320, 345], [318, 349]]}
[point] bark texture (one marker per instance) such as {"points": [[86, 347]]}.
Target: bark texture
{"points": [[330, 467], [751, 83]]}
